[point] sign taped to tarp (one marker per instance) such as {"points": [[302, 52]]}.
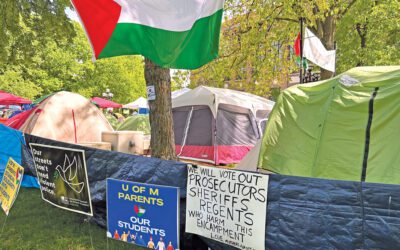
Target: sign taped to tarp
{"points": [[143, 214], [63, 177], [10, 184], [227, 206]]}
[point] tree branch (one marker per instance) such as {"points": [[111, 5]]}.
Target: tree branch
{"points": [[348, 7], [286, 19]]}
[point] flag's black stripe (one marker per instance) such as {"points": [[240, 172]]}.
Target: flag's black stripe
{"points": [[368, 134]]}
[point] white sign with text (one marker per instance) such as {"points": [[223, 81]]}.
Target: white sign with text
{"points": [[151, 93], [227, 206]]}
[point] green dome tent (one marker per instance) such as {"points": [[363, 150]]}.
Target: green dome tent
{"points": [[112, 120], [136, 123], [344, 128]]}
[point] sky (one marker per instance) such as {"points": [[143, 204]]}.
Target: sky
{"points": [[71, 14]]}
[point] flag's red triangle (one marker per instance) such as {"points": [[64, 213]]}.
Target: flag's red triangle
{"points": [[297, 45], [99, 18]]}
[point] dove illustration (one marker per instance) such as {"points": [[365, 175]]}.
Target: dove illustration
{"points": [[69, 173]]}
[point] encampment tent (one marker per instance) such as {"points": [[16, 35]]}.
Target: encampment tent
{"points": [[343, 128], [63, 116], [136, 123], [179, 92], [141, 102], [103, 103], [218, 126], [112, 120], [11, 144], [10, 99]]}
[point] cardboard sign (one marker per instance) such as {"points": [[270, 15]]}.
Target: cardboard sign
{"points": [[10, 184], [63, 177], [143, 214], [227, 206]]}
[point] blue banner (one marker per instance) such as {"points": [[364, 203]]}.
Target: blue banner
{"points": [[143, 214]]}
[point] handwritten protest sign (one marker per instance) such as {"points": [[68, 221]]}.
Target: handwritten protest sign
{"points": [[63, 177], [143, 214], [10, 184], [227, 206]]}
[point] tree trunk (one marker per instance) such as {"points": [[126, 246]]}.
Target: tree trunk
{"points": [[328, 29], [162, 133], [362, 32]]}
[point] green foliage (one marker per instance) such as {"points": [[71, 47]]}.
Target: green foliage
{"points": [[179, 79], [253, 49], [112, 120], [42, 51], [136, 123], [255, 37], [43, 17], [124, 76], [46, 65], [378, 22], [12, 81]]}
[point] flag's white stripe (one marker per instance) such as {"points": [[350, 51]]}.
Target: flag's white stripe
{"points": [[314, 50], [172, 15]]}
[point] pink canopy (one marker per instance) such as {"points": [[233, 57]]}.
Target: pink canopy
{"points": [[103, 103], [10, 99]]}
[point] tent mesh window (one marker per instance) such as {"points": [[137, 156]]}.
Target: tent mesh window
{"points": [[197, 121], [180, 116], [201, 127], [236, 126]]}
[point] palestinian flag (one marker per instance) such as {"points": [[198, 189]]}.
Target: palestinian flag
{"points": [[18, 176], [297, 52], [139, 210], [181, 34]]}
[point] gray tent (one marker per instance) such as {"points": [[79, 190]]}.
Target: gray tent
{"points": [[218, 126]]}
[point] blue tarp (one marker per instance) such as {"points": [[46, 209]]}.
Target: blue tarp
{"points": [[302, 213], [10, 146], [144, 111]]}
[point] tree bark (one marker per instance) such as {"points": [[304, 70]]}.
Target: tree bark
{"points": [[162, 133], [362, 32]]}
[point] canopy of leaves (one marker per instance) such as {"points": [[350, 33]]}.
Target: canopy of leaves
{"points": [[369, 35], [253, 49], [43, 52], [257, 36], [45, 18]]}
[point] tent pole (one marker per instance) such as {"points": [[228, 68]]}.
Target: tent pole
{"points": [[73, 119], [301, 49], [334, 47]]}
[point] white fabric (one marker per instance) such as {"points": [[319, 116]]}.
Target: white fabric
{"points": [[179, 92], [212, 97], [314, 50], [250, 161], [348, 81], [172, 15], [141, 102]]}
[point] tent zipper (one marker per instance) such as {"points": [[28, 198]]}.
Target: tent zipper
{"points": [[368, 134]]}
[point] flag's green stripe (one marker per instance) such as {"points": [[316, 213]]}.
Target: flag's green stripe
{"points": [[185, 50]]}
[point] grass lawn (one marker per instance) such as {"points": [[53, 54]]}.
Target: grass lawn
{"points": [[35, 224]]}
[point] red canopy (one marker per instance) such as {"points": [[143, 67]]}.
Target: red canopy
{"points": [[103, 103], [9, 99]]}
